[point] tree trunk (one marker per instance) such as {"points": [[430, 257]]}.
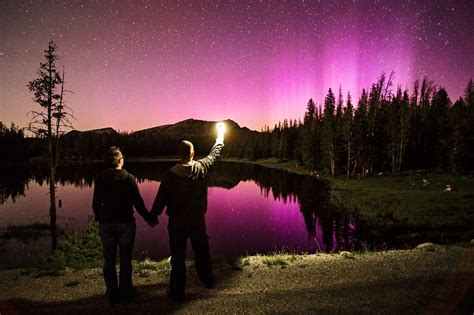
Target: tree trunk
{"points": [[52, 170], [349, 158], [393, 158], [52, 207], [52, 195], [331, 159], [400, 158]]}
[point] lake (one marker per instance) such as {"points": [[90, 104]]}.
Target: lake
{"points": [[251, 209]]}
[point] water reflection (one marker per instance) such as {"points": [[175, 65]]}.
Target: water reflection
{"points": [[251, 209]]}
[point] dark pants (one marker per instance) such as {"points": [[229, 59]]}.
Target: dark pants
{"points": [[179, 232], [123, 236]]}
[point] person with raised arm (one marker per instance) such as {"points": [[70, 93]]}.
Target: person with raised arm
{"points": [[183, 192]]}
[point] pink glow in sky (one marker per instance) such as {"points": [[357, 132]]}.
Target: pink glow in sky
{"points": [[139, 64]]}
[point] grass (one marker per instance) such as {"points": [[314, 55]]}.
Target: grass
{"points": [[416, 200], [146, 266], [236, 263], [278, 258], [281, 259], [25, 232], [347, 255], [82, 249]]}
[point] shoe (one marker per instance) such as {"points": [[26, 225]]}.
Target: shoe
{"points": [[127, 295], [208, 282], [178, 297], [113, 296]]}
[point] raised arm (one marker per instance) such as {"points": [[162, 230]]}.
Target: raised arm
{"points": [[202, 166]]}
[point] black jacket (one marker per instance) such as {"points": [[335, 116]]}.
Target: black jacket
{"points": [[115, 194], [183, 191]]}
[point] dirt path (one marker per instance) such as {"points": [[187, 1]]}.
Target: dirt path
{"points": [[408, 281]]}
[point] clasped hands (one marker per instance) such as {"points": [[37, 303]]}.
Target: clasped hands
{"points": [[152, 221]]}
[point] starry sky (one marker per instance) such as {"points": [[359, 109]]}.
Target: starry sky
{"points": [[138, 64]]}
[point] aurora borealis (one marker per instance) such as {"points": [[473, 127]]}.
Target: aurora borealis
{"points": [[138, 64]]}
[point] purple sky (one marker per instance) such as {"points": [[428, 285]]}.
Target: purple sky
{"points": [[138, 64]]}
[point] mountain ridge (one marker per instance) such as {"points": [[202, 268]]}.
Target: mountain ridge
{"points": [[166, 128]]}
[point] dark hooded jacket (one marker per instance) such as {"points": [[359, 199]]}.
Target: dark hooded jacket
{"points": [[115, 195], [183, 190]]}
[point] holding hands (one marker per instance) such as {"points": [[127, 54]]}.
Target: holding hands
{"points": [[152, 221]]}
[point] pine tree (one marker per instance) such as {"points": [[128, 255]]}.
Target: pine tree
{"points": [[467, 127], [404, 125], [394, 128], [308, 138], [457, 114], [361, 131], [328, 134], [339, 151], [440, 131], [424, 153], [348, 121]]}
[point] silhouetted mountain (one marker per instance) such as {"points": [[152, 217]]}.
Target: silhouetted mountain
{"points": [[191, 128], [201, 133], [188, 128], [100, 131], [159, 140]]}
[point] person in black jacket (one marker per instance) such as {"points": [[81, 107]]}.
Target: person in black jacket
{"points": [[183, 192], [115, 194]]}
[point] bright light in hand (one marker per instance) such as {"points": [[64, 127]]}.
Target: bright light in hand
{"points": [[220, 130]]}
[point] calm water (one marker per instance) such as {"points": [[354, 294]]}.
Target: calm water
{"points": [[250, 210]]}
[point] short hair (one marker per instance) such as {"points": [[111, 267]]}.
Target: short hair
{"points": [[112, 157], [185, 148]]}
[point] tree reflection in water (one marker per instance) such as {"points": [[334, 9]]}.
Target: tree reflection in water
{"points": [[336, 228]]}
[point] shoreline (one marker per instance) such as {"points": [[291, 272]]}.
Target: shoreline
{"points": [[437, 279]]}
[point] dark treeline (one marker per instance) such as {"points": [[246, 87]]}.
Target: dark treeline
{"points": [[13, 142], [382, 132]]}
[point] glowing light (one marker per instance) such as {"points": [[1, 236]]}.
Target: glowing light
{"points": [[220, 131]]}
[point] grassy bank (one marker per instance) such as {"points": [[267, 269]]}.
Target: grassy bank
{"points": [[423, 200]]}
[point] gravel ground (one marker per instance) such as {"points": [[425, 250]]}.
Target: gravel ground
{"points": [[436, 280]]}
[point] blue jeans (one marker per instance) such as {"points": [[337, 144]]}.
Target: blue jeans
{"points": [[121, 235]]}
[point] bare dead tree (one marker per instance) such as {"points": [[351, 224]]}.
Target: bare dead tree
{"points": [[51, 120]]}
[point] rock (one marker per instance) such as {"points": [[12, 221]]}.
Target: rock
{"points": [[427, 246], [346, 254]]}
